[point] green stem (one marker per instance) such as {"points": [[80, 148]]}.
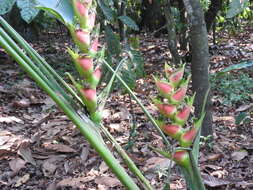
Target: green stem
{"points": [[196, 172], [195, 149], [86, 130], [23, 55], [131, 165], [141, 105], [45, 67]]}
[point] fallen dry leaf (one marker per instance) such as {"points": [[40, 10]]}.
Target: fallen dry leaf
{"points": [[244, 107], [25, 152], [4, 139], [239, 155], [103, 167], [10, 119], [58, 148], [84, 153], [213, 181], [9, 142], [51, 186], [155, 163], [17, 164], [24, 103], [75, 182], [214, 157], [118, 127], [48, 168], [22, 180], [107, 181]]}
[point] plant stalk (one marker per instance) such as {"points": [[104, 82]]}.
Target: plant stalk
{"points": [[86, 130], [167, 143]]}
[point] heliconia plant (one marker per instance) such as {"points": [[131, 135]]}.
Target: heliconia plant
{"points": [[175, 107], [81, 32], [68, 99]]}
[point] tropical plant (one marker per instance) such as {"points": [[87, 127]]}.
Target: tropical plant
{"points": [[175, 108], [27, 8], [79, 17]]}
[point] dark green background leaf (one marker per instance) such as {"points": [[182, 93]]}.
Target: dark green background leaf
{"points": [[129, 22]]}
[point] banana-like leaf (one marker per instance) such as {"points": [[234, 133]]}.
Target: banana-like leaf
{"points": [[242, 65], [61, 9], [27, 9], [6, 6]]}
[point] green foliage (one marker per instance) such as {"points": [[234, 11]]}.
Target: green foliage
{"points": [[133, 67], [236, 7], [45, 20], [235, 89], [128, 76], [243, 117], [27, 8], [241, 65], [112, 14], [137, 62], [62, 10], [6, 6], [205, 4], [206, 142], [107, 11], [129, 22], [113, 43]]}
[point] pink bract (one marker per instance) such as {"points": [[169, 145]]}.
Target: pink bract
{"points": [[176, 76], [180, 155], [166, 109], [171, 129], [97, 73], [179, 94], [164, 87], [94, 45], [83, 37], [189, 135], [89, 94], [184, 113], [86, 63], [82, 9]]}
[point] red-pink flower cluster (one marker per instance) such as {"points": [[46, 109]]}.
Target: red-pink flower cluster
{"points": [[85, 17], [176, 106]]}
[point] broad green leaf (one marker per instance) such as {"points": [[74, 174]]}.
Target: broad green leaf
{"points": [[27, 9], [107, 11], [129, 22], [236, 7], [6, 6], [242, 65], [137, 61], [113, 43], [240, 117], [61, 9]]}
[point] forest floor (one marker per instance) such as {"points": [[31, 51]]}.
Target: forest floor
{"points": [[41, 149]]}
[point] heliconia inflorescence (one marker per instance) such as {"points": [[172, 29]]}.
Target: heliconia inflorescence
{"points": [[81, 32], [182, 158], [175, 107]]}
